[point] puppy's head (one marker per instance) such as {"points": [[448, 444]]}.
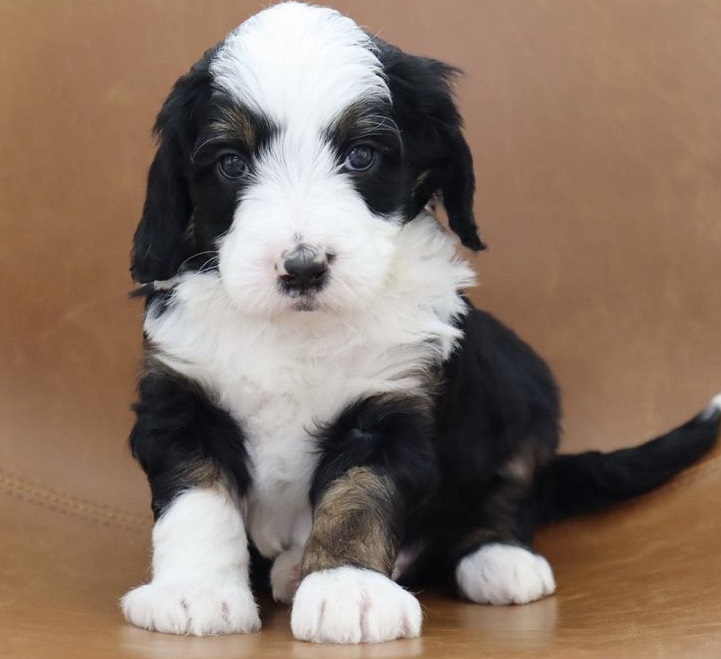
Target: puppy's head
{"points": [[291, 156]]}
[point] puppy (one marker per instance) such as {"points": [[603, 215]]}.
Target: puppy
{"points": [[316, 385]]}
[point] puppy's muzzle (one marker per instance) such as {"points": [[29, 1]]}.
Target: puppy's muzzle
{"points": [[304, 270]]}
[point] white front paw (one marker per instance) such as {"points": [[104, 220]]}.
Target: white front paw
{"points": [[353, 605], [198, 609], [504, 574]]}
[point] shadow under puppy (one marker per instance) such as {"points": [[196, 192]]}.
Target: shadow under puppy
{"points": [[315, 382]]}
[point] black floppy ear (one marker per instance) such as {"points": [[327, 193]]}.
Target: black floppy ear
{"points": [[432, 128], [158, 241], [161, 242]]}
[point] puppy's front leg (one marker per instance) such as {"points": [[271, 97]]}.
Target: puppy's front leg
{"points": [[200, 549], [346, 594], [200, 569]]}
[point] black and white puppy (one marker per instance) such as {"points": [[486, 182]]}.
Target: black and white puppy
{"points": [[316, 385]]}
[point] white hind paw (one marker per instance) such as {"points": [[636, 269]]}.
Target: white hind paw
{"points": [[504, 574]]}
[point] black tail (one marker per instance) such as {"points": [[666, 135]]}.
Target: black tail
{"points": [[589, 482]]}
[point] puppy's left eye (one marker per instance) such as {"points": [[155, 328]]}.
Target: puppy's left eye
{"points": [[359, 159], [232, 166]]}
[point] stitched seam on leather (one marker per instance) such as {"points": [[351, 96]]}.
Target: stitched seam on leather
{"points": [[64, 503]]}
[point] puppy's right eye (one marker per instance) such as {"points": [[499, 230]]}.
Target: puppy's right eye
{"points": [[232, 166], [359, 159]]}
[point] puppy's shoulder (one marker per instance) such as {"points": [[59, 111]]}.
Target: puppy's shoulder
{"points": [[497, 368]]}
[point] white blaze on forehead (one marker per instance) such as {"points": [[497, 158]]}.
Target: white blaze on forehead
{"points": [[298, 64]]}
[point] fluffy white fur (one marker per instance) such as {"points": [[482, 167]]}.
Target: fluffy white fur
{"points": [[301, 199], [200, 570], [503, 574], [299, 67], [352, 605]]}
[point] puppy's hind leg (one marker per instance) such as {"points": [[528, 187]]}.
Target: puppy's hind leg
{"points": [[494, 561]]}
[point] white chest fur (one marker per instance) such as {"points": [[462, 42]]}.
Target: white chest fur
{"points": [[281, 378]]}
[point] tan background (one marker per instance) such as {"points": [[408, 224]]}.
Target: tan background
{"points": [[596, 132]]}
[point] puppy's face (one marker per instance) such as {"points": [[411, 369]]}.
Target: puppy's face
{"points": [[290, 158], [303, 152]]}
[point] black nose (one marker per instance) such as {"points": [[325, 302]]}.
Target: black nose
{"points": [[306, 269]]}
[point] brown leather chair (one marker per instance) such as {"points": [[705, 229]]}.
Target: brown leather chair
{"points": [[596, 131]]}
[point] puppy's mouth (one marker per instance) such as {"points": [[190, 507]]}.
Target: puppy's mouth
{"points": [[306, 305], [302, 299]]}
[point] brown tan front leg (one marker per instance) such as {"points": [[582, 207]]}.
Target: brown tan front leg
{"points": [[354, 524], [345, 594]]}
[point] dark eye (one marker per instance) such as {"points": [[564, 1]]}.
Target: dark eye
{"points": [[232, 166], [359, 159]]}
